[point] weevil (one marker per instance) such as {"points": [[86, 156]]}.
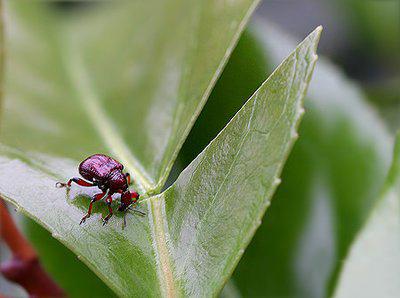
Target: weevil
{"points": [[106, 173]]}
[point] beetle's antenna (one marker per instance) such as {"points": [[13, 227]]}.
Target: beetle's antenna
{"points": [[140, 212], [135, 210]]}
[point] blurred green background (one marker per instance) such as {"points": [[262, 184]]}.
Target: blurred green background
{"points": [[362, 37]]}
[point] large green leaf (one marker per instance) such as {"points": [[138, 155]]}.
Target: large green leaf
{"points": [[126, 77], [372, 268], [329, 183], [194, 232]]}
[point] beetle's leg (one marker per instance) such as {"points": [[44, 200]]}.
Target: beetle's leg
{"points": [[78, 181], [95, 198], [110, 211], [128, 178]]}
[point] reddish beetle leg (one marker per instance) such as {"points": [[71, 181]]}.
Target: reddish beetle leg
{"points": [[96, 197], [110, 211], [78, 181], [128, 178]]}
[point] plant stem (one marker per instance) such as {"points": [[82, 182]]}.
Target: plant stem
{"points": [[24, 267]]}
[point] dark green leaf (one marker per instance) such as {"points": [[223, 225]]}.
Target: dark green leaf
{"points": [[330, 182], [122, 78], [195, 232], [127, 78]]}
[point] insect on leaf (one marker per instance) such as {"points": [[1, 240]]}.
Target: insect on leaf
{"points": [[127, 78], [196, 231]]}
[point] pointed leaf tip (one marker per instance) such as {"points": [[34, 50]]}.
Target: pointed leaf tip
{"points": [[196, 231], [217, 203]]}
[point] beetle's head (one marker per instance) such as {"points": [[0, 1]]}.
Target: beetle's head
{"points": [[128, 198]]}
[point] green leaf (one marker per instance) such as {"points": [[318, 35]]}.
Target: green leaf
{"points": [[373, 24], [123, 78], [152, 71], [196, 231], [126, 78], [330, 184], [372, 268], [330, 181]]}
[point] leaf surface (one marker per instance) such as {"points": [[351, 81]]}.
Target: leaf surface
{"points": [[196, 231], [330, 181], [372, 268], [329, 185], [126, 78]]}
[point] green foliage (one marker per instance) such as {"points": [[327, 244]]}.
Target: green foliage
{"points": [[376, 25], [70, 91], [329, 184], [85, 82], [372, 267], [90, 82]]}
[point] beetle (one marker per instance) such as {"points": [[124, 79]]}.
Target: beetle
{"points": [[106, 173]]}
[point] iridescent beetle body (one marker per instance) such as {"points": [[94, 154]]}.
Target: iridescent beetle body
{"points": [[106, 173]]}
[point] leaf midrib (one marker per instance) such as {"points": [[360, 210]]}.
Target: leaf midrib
{"points": [[109, 134], [156, 219]]}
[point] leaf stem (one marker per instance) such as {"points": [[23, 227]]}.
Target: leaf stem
{"points": [[24, 268]]}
